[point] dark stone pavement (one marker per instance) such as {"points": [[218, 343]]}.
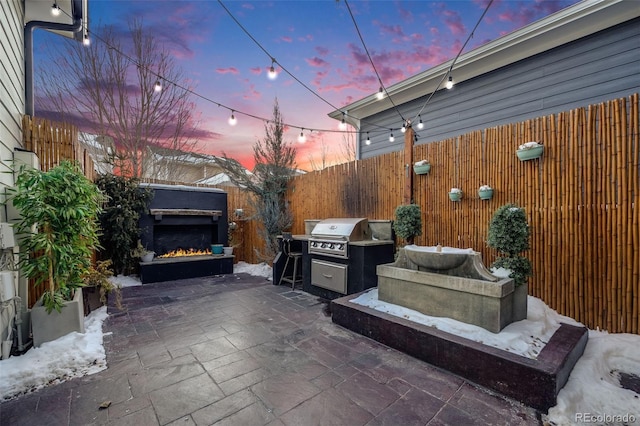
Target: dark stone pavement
{"points": [[237, 350]]}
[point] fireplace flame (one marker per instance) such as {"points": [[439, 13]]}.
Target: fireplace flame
{"points": [[188, 252]]}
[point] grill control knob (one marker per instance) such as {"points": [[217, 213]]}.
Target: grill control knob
{"points": [[323, 245], [340, 246], [331, 246]]}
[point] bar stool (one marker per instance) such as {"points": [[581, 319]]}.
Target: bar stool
{"points": [[291, 255]]}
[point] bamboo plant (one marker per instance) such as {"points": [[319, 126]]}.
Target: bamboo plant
{"points": [[58, 229]]}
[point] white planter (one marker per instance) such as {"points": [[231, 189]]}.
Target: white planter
{"points": [[227, 250], [147, 257], [48, 327]]}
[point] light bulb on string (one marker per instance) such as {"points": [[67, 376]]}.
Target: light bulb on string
{"points": [[158, 86], [449, 84], [232, 119], [420, 124], [55, 9], [380, 94], [302, 138], [343, 124], [404, 128], [368, 142], [391, 138], [86, 41], [272, 71]]}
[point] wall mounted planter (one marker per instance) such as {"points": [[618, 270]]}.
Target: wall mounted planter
{"points": [[455, 196], [485, 194], [530, 153], [422, 169]]}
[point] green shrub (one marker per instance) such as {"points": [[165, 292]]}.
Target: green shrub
{"points": [[509, 234], [120, 219], [408, 222]]}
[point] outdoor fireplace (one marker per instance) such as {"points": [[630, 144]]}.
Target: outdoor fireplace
{"points": [[184, 218]]}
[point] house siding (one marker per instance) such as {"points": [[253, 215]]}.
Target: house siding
{"points": [[11, 88], [600, 67]]}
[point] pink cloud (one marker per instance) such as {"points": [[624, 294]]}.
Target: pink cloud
{"points": [[453, 21], [322, 51], [395, 30], [523, 14], [255, 70], [317, 62], [286, 39], [230, 70]]}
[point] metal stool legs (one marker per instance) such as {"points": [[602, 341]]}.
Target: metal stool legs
{"points": [[293, 279]]}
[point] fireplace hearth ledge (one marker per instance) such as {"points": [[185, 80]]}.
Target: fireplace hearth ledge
{"points": [[534, 382], [183, 267]]}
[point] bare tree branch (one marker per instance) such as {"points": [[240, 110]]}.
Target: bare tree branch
{"points": [[108, 89]]}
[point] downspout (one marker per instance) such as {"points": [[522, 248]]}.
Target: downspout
{"points": [[75, 27]]}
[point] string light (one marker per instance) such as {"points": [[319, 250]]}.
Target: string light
{"points": [[85, 40], [368, 142], [391, 138], [404, 128], [302, 138], [420, 124], [272, 71], [380, 94], [449, 84], [158, 86], [55, 10], [343, 124], [232, 119]]}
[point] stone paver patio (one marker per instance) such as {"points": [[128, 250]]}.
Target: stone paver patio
{"points": [[237, 350]]}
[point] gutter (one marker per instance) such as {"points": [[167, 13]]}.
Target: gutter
{"points": [[75, 27]]}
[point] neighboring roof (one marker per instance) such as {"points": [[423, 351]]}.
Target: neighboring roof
{"points": [[564, 26], [221, 179], [168, 154]]}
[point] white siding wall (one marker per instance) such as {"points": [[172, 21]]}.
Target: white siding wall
{"points": [[11, 87], [11, 110]]}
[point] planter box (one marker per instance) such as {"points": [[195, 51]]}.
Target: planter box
{"points": [[534, 382], [48, 327], [422, 169], [455, 196], [530, 154], [485, 194]]}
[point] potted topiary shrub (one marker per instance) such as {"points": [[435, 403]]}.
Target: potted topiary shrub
{"points": [[58, 233], [509, 234], [408, 222]]}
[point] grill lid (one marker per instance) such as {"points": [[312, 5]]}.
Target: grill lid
{"points": [[349, 229]]}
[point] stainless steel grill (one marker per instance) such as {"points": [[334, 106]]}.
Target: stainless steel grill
{"points": [[331, 237]]}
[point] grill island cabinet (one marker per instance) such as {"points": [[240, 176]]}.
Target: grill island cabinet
{"points": [[364, 257], [340, 256]]}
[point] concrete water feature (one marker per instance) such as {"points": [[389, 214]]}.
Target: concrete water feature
{"points": [[453, 283]]}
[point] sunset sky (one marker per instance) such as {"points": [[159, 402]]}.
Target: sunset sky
{"points": [[315, 41]]}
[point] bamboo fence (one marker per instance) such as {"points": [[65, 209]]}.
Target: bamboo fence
{"points": [[582, 200]]}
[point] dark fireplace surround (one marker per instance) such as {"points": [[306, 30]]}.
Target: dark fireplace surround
{"points": [[184, 217]]}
